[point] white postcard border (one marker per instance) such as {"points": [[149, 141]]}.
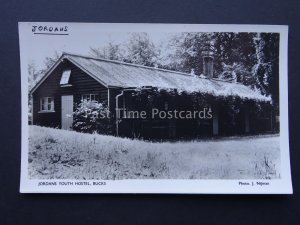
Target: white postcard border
{"points": [[276, 186]]}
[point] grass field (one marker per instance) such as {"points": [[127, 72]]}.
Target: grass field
{"points": [[59, 154]]}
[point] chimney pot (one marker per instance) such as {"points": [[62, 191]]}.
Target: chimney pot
{"points": [[208, 66]]}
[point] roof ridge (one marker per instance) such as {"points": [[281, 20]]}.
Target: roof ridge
{"points": [[129, 64], [180, 83], [149, 67]]}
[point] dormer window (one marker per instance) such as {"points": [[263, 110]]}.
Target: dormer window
{"points": [[65, 78]]}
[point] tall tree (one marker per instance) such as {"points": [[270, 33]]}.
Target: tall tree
{"points": [[49, 61], [266, 69], [34, 75], [111, 51], [234, 54], [141, 50], [234, 48], [31, 70], [187, 53]]}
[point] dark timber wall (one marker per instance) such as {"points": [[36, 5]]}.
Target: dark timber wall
{"points": [[81, 84]]}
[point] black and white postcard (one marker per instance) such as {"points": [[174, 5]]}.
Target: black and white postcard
{"points": [[154, 108]]}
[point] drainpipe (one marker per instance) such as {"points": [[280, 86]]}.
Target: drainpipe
{"points": [[118, 112]]}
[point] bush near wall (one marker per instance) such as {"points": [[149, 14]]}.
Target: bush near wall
{"points": [[92, 117]]}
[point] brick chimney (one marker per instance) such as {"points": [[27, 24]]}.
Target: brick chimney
{"points": [[208, 60]]}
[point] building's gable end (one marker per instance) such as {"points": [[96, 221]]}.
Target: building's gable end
{"points": [[87, 72], [80, 84], [61, 60], [47, 74]]}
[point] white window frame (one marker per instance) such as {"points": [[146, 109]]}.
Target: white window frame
{"points": [[89, 97], [45, 102]]}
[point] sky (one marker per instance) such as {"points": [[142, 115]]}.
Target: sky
{"points": [[82, 36], [79, 41]]}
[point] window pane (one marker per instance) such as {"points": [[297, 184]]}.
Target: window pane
{"points": [[65, 77], [89, 97], [42, 103], [47, 104], [52, 104]]}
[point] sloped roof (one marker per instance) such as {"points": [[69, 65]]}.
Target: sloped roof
{"points": [[125, 75]]}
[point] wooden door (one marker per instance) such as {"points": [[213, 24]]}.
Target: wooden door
{"points": [[66, 112]]}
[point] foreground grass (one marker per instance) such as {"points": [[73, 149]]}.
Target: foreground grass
{"points": [[59, 154]]}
